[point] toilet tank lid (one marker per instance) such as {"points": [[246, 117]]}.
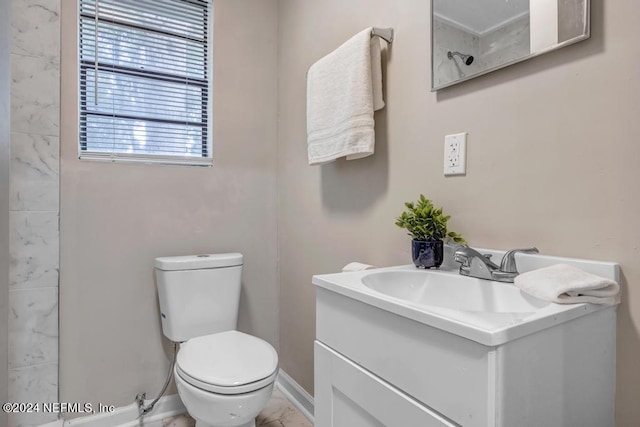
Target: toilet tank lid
{"points": [[198, 262]]}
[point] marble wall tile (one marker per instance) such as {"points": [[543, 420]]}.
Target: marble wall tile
{"points": [[33, 244], [498, 47], [35, 164], [505, 44], [448, 38], [35, 28], [35, 95], [33, 384], [33, 327], [34, 229]]}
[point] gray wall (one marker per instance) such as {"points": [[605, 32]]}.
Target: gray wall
{"points": [[116, 218], [5, 156], [556, 134]]}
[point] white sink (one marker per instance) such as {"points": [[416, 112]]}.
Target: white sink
{"points": [[430, 288], [484, 311]]}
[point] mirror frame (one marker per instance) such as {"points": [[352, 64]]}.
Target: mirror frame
{"points": [[585, 36]]}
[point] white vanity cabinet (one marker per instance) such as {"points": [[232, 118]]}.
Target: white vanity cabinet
{"points": [[376, 367]]}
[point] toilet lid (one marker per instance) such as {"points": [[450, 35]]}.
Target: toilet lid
{"points": [[227, 359]]}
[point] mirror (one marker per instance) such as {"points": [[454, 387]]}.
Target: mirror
{"points": [[470, 38]]}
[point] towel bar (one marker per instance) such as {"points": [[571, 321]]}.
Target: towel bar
{"points": [[384, 33]]}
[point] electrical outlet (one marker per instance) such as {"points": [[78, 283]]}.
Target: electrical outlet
{"points": [[455, 154]]}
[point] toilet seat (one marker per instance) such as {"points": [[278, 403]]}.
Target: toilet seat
{"points": [[228, 362]]}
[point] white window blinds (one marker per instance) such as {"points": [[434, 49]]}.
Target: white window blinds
{"points": [[145, 80]]}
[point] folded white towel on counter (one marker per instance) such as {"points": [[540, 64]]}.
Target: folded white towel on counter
{"points": [[357, 266], [564, 284], [343, 90]]}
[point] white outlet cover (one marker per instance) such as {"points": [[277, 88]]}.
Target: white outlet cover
{"points": [[455, 154]]}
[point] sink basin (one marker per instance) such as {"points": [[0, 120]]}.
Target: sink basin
{"points": [[453, 292], [487, 312]]}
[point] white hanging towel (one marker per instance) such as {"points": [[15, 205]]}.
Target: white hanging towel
{"points": [[565, 284], [343, 90]]}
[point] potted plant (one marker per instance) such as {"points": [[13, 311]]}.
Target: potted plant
{"points": [[427, 225]]}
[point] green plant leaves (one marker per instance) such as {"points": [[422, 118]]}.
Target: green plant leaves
{"points": [[456, 237], [424, 221]]}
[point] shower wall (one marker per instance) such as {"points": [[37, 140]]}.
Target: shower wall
{"points": [[34, 194], [570, 19], [490, 49], [447, 70], [5, 153], [504, 44]]}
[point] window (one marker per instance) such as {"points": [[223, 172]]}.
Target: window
{"points": [[145, 80]]}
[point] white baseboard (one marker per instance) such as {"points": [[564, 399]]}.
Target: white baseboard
{"points": [[127, 416], [295, 394], [171, 406]]}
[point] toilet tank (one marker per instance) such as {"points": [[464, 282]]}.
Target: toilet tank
{"points": [[199, 294]]}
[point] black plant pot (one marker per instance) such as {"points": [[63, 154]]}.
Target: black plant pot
{"points": [[427, 254]]}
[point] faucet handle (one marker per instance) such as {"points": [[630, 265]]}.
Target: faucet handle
{"points": [[508, 264], [465, 254]]}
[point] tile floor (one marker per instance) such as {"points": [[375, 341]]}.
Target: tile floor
{"points": [[278, 413]]}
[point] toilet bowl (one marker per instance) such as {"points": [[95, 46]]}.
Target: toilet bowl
{"points": [[224, 377], [225, 411]]}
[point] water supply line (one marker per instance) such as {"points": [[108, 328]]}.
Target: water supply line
{"points": [[144, 410]]}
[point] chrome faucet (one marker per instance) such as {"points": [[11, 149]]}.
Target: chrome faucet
{"points": [[475, 264]]}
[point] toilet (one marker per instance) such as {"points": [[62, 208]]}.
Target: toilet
{"points": [[224, 377]]}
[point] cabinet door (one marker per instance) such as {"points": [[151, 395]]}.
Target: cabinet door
{"points": [[348, 396]]}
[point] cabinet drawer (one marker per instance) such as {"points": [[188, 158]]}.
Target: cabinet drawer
{"points": [[348, 396], [452, 375]]}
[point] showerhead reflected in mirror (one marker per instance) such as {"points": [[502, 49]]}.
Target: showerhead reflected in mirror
{"points": [[467, 59], [471, 37]]}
